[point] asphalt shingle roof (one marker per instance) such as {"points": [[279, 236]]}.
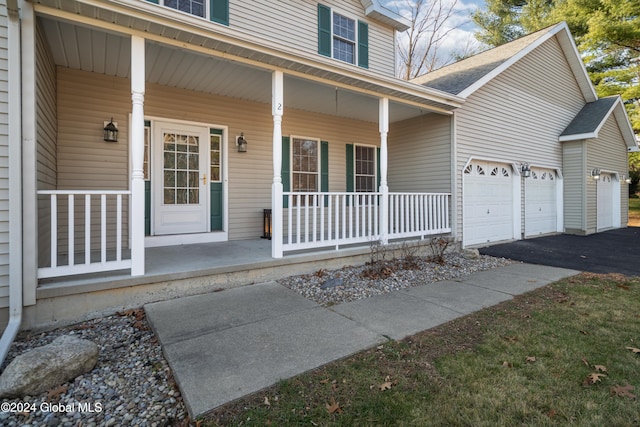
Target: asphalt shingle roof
{"points": [[590, 117], [456, 77]]}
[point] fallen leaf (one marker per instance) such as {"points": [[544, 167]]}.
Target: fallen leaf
{"points": [[585, 362], [592, 379], [325, 381], [55, 393], [600, 368], [584, 332], [266, 401], [531, 359], [623, 391], [507, 364], [385, 386], [380, 347], [511, 339], [625, 287], [634, 350], [551, 413], [333, 407]]}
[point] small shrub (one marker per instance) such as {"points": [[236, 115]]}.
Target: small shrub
{"points": [[438, 247]]}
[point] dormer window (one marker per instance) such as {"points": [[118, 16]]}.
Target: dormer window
{"points": [[342, 38], [214, 10]]}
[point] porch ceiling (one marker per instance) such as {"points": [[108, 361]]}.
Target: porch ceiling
{"points": [[237, 69]]}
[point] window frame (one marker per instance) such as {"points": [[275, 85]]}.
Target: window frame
{"points": [[334, 36], [207, 9], [373, 148], [292, 171]]}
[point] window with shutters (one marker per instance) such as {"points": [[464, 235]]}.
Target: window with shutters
{"points": [[214, 10], [342, 37], [365, 171], [305, 165]]}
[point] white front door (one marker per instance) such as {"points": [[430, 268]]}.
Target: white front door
{"points": [[180, 178]]}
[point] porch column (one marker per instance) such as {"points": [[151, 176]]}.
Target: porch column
{"points": [[383, 123], [277, 103], [137, 155]]}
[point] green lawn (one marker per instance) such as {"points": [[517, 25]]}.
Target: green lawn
{"points": [[634, 211], [529, 361]]}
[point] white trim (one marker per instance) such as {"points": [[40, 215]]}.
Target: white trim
{"points": [[454, 177], [373, 9], [578, 136]]}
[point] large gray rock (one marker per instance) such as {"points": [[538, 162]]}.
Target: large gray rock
{"points": [[45, 367]]}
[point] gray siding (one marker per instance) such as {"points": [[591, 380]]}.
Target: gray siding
{"points": [[575, 176], [294, 24], [87, 162], [4, 158], [47, 128], [420, 154], [520, 113], [609, 153]]}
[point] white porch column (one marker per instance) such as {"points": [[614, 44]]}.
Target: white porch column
{"points": [[277, 105], [383, 122], [137, 155]]}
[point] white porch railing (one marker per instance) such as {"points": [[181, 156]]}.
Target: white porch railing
{"points": [[94, 242], [315, 220]]}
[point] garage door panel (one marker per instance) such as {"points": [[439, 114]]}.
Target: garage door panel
{"points": [[604, 189], [541, 207], [488, 203]]}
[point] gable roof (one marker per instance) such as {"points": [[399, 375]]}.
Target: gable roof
{"points": [[588, 122], [374, 9], [465, 77]]}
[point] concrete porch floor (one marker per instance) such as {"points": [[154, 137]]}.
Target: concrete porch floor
{"points": [[172, 272]]}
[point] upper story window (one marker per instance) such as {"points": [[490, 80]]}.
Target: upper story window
{"points": [[342, 38], [214, 10]]}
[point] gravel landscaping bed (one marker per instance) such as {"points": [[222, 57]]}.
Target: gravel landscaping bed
{"points": [[330, 287], [132, 385]]}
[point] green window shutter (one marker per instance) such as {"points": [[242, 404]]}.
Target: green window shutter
{"points": [[220, 11], [363, 44], [324, 169], [324, 30], [378, 169], [153, 1], [147, 208], [350, 174], [215, 191], [286, 168]]}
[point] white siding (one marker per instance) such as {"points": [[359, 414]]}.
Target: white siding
{"points": [[87, 162], [4, 158], [574, 180], [420, 154], [47, 128], [519, 114], [295, 24], [608, 152]]}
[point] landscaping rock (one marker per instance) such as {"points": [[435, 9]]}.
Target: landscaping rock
{"points": [[471, 253], [332, 283], [45, 367]]}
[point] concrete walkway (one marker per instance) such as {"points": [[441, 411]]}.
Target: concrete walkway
{"points": [[224, 345]]}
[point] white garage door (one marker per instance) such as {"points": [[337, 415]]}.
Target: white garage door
{"points": [[488, 203], [540, 208], [604, 188]]}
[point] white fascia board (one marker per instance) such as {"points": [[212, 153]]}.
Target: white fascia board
{"points": [[620, 113], [577, 136], [375, 10]]}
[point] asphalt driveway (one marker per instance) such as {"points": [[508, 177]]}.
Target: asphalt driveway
{"points": [[615, 251]]}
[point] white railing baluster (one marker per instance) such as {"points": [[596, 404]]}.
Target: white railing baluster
{"points": [[306, 218], [119, 228], [87, 229], [54, 231], [103, 228], [290, 218], [315, 217], [71, 230]]}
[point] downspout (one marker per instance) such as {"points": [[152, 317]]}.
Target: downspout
{"points": [[15, 181]]}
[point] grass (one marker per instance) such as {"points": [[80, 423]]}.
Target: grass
{"points": [[524, 362]]}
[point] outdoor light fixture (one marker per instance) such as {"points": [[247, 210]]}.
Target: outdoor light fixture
{"points": [[626, 179], [111, 132], [241, 143], [595, 174], [526, 171]]}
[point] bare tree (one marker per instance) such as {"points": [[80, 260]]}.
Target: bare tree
{"points": [[419, 50]]}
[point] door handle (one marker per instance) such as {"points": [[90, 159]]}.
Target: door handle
{"points": [[204, 179]]}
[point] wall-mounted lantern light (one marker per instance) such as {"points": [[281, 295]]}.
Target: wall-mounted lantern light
{"points": [[526, 170], [626, 179], [241, 143], [595, 174], [111, 132]]}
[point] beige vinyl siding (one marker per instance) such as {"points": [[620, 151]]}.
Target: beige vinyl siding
{"points": [[85, 161], [4, 158], [574, 180], [420, 154], [519, 114], [295, 24], [47, 128], [608, 152]]}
